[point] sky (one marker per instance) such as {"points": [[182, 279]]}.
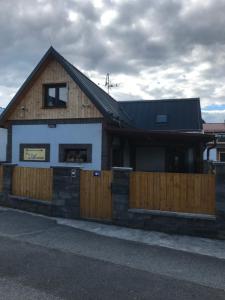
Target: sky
{"points": [[153, 49]]}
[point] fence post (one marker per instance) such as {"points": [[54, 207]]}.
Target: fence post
{"points": [[66, 191], [120, 195], [7, 181]]}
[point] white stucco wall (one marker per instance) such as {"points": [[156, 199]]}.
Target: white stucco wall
{"points": [[3, 144], [63, 134]]}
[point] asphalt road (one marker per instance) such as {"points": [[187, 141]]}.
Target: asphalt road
{"points": [[42, 260]]}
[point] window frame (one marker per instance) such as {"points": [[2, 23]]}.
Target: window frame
{"points": [[57, 87], [63, 147], [161, 115], [219, 152]]}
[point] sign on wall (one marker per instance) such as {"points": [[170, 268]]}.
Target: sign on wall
{"points": [[34, 154]]}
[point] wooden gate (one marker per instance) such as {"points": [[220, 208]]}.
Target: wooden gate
{"points": [[188, 193], [95, 195], [35, 183]]}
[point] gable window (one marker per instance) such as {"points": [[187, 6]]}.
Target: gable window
{"points": [[161, 119], [55, 95], [75, 153]]}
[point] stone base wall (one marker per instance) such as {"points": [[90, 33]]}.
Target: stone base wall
{"points": [[164, 222], [220, 189], [34, 206], [66, 194]]}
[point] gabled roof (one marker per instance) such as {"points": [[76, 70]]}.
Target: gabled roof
{"points": [[182, 114], [109, 107]]}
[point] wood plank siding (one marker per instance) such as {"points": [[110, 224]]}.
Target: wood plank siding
{"points": [[31, 103], [188, 193], [34, 183]]}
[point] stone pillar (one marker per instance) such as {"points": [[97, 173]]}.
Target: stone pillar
{"points": [[66, 191], [120, 195], [7, 181], [220, 188]]}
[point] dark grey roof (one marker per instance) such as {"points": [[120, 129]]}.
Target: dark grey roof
{"points": [[109, 107], [103, 101], [182, 114]]}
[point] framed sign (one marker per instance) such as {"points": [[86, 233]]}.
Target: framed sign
{"points": [[34, 152]]}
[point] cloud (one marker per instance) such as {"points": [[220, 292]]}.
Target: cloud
{"points": [[154, 49], [214, 116]]}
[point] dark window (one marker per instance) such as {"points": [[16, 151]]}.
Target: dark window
{"points": [[55, 95], [222, 156], [161, 119], [221, 138], [77, 153]]}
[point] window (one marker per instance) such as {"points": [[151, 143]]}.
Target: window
{"points": [[220, 138], [161, 119], [221, 155], [75, 153], [35, 152], [55, 95]]}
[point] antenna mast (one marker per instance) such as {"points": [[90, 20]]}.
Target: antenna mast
{"points": [[108, 83]]}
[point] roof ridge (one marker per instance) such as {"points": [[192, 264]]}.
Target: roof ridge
{"points": [[82, 74], [214, 123], [158, 100], [109, 104]]}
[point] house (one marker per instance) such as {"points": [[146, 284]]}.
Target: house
{"points": [[59, 117], [215, 150], [3, 141]]}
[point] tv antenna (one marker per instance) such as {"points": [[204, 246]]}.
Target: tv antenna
{"points": [[109, 84]]}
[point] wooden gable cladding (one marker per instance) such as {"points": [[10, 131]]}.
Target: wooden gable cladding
{"points": [[30, 106]]}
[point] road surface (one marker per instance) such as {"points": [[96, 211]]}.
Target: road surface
{"points": [[40, 259]]}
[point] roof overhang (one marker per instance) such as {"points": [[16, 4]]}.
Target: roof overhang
{"points": [[162, 135]]}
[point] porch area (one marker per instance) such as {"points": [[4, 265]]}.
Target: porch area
{"points": [[157, 151]]}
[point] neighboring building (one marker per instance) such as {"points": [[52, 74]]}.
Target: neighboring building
{"points": [[3, 141], [216, 150], [59, 117]]}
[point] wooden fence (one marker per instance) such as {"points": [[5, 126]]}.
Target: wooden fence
{"points": [[35, 183], [95, 195], [189, 193], [1, 178]]}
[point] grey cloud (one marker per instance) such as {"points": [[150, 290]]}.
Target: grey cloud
{"points": [[170, 39], [213, 116]]}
